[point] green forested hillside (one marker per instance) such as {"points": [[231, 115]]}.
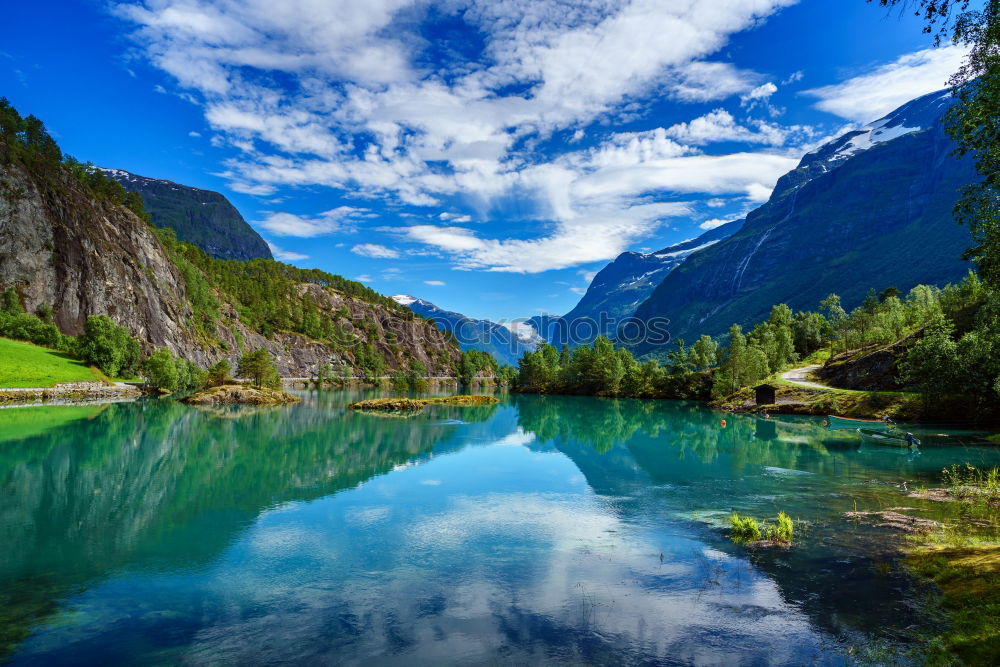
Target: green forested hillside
{"points": [[201, 217]]}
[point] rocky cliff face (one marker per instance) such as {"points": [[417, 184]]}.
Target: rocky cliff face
{"points": [[60, 247], [201, 217], [871, 209]]}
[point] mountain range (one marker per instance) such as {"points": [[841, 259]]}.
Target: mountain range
{"points": [[869, 209], [505, 345]]}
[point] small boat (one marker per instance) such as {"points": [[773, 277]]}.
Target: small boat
{"points": [[889, 437], [835, 423]]}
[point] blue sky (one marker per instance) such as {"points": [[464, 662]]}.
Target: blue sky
{"points": [[486, 156]]}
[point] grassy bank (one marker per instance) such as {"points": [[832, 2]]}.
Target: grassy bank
{"points": [[795, 400], [963, 558], [23, 365]]}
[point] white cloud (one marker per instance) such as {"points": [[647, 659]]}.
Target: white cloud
{"points": [[761, 93], [354, 113], [289, 224], [375, 250], [713, 223], [455, 217], [252, 189], [435, 283], [192, 133], [709, 81], [719, 125], [364, 278], [793, 77], [872, 95], [578, 290], [285, 255]]}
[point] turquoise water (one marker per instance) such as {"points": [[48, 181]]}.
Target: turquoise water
{"points": [[543, 530]]}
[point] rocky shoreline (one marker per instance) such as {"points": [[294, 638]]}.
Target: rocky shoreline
{"points": [[72, 391]]}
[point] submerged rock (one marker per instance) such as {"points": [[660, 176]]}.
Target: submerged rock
{"points": [[234, 394], [891, 518]]}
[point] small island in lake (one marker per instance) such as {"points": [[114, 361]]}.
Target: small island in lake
{"points": [[235, 394], [411, 404]]}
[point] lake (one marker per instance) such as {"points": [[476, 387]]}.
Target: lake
{"points": [[542, 530]]}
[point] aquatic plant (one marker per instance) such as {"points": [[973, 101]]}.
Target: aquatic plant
{"points": [[971, 483], [782, 530], [745, 529], [748, 529]]}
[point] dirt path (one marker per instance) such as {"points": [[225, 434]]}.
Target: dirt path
{"points": [[797, 376]]}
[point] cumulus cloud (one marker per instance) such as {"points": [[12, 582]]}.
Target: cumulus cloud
{"points": [[870, 96], [285, 255], [719, 125], [375, 250], [758, 96]]}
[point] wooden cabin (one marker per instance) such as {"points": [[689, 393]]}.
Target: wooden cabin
{"points": [[765, 394]]}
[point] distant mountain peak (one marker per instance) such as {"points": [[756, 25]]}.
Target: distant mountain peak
{"points": [[404, 299], [506, 342]]}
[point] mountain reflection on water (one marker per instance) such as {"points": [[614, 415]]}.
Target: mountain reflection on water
{"points": [[546, 529]]}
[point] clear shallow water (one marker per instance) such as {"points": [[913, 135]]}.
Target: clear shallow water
{"points": [[544, 530]]}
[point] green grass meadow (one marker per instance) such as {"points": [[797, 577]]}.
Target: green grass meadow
{"points": [[23, 365]]}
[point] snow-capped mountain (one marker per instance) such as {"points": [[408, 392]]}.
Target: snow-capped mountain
{"points": [[620, 287], [506, 342], [870, 209], [914, 116]]}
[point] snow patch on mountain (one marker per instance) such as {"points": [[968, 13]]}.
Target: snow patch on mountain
{"points": [[524, 332], [684, 252], [404, 299]]}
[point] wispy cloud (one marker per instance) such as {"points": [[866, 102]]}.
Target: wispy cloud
{"points": [[375, 250], [285, 255], [435, 283], [713, 223], [873, 94], [288, 224]]}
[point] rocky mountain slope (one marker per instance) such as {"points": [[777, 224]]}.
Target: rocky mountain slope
{"points": [[471, 334], [202, 217], [871, 209], [61, 247], [624, 284]]}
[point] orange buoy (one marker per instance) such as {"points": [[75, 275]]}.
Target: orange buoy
{"points": [[723, 423], [824, 423]]}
